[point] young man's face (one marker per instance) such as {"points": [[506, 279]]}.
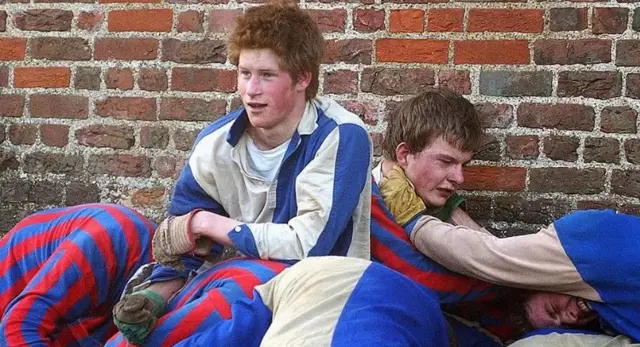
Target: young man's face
{"points": [[436, 171], [553, 310], [268, 93]]}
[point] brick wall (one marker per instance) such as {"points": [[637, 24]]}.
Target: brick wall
{"points": [[102, 101]]}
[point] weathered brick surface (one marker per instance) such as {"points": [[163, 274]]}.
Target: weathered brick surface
{"points": [[59, 48], [590, 84], [522, 147], [558, 116], [618, 119], [54, 135], [191, 109], [602, 150], [110, 136], [568, 19], [561, 148], [59, 106], [52, 162], [44, 20], [108, 96]]}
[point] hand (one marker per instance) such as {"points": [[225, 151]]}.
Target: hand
{"points": [[174, 238], [136, 314]]}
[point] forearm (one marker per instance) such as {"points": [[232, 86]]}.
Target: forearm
{"points": [[534, 261], [166, 289], [461, 217]]}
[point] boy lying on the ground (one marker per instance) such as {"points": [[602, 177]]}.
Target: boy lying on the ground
{"points": [[62, 270]]}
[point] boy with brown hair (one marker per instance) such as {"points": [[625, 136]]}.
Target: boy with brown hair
{"points": [[283, 178]]}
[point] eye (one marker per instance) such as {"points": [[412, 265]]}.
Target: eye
{"points": [[245, 73], [268, 74]]}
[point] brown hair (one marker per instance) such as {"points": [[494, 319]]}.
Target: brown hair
{"points": [[436, 112], [288, 31]]}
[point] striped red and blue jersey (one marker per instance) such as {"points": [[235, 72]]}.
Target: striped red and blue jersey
{"points": [[391, 246], [62, 270], [206, 301]]}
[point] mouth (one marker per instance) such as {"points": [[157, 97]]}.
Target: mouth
{"points": [[256, 106], [446, 191], [584, 306]]}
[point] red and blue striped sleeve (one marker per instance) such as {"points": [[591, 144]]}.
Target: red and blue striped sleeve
{"points": [[206, 304], [62, 269]]}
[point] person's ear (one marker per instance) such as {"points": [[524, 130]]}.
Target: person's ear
{"points": [[402, 153], [303, 81]]}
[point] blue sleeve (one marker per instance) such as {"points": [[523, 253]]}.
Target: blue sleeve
{"points": [[188, 196]]}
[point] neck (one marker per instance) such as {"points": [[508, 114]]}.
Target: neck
{"points": [[268, 138], [387, 165]]}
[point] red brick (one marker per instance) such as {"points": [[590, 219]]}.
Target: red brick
{"points": [[508, 179], [4, 76], [222, 21], [190, 21], [11, 105], [590, 84], [602, 150], [44, 20], [12, 48], [23, 134], [87, 78], [153, 79], [412, 51], [194, 52], [203, 80], [168, 167], [79, 192], [561, 148], [566, 52], [628, 53], [566, 180], [41, 77], [109, 136], [129, 1], [413, 1], [367, 20], [159, 20], [154, 137], [184, 139], [348, 51], [54, 135], [568, 19], [127, 108], [126, 49], [119, 78], [340, 82], [90, 20], [3, 20], [489, 149], [445, 20], [610, 20], [59, 48], [505, 20], [192, 109], [618, 119], [406, 21], [456, 80], [389, 81], [119, 165], [367, 111], [491, 52], [632, 150], [330, 20], [522, 147], [148, 197], [59, 106], [61, 163], [556, 116], [495, 115]]}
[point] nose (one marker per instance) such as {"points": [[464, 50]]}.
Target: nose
{"points": [[456, 176], [254, 86], [570, 314]]}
